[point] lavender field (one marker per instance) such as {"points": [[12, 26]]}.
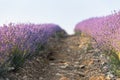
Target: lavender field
{"points": [[98, 40], [105, 30], [19, 41]]}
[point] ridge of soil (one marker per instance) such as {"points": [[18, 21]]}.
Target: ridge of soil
{"points": [[70, 58]]}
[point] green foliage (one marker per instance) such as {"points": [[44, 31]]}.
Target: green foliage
{"points": [[78, 32], [14, 62], [114, 62], [39, 48], [60, 34], [89, 46], [17, 58]]}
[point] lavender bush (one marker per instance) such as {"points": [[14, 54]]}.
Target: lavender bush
{"points": [[106, 31], [18, 41]]}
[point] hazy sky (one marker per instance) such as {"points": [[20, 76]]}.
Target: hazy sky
{"points": [[66, 13]]}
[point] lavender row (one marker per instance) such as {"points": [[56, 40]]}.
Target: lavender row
{"points": [[105, 30], [25, 37]]}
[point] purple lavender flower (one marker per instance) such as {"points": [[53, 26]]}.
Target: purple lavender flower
{"points": [[26, 37], [106, 30]]}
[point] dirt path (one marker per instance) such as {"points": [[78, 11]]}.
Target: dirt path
{"points": [[72, 58]]}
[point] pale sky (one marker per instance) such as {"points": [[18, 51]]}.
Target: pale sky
{"points": [[66, 13]]}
